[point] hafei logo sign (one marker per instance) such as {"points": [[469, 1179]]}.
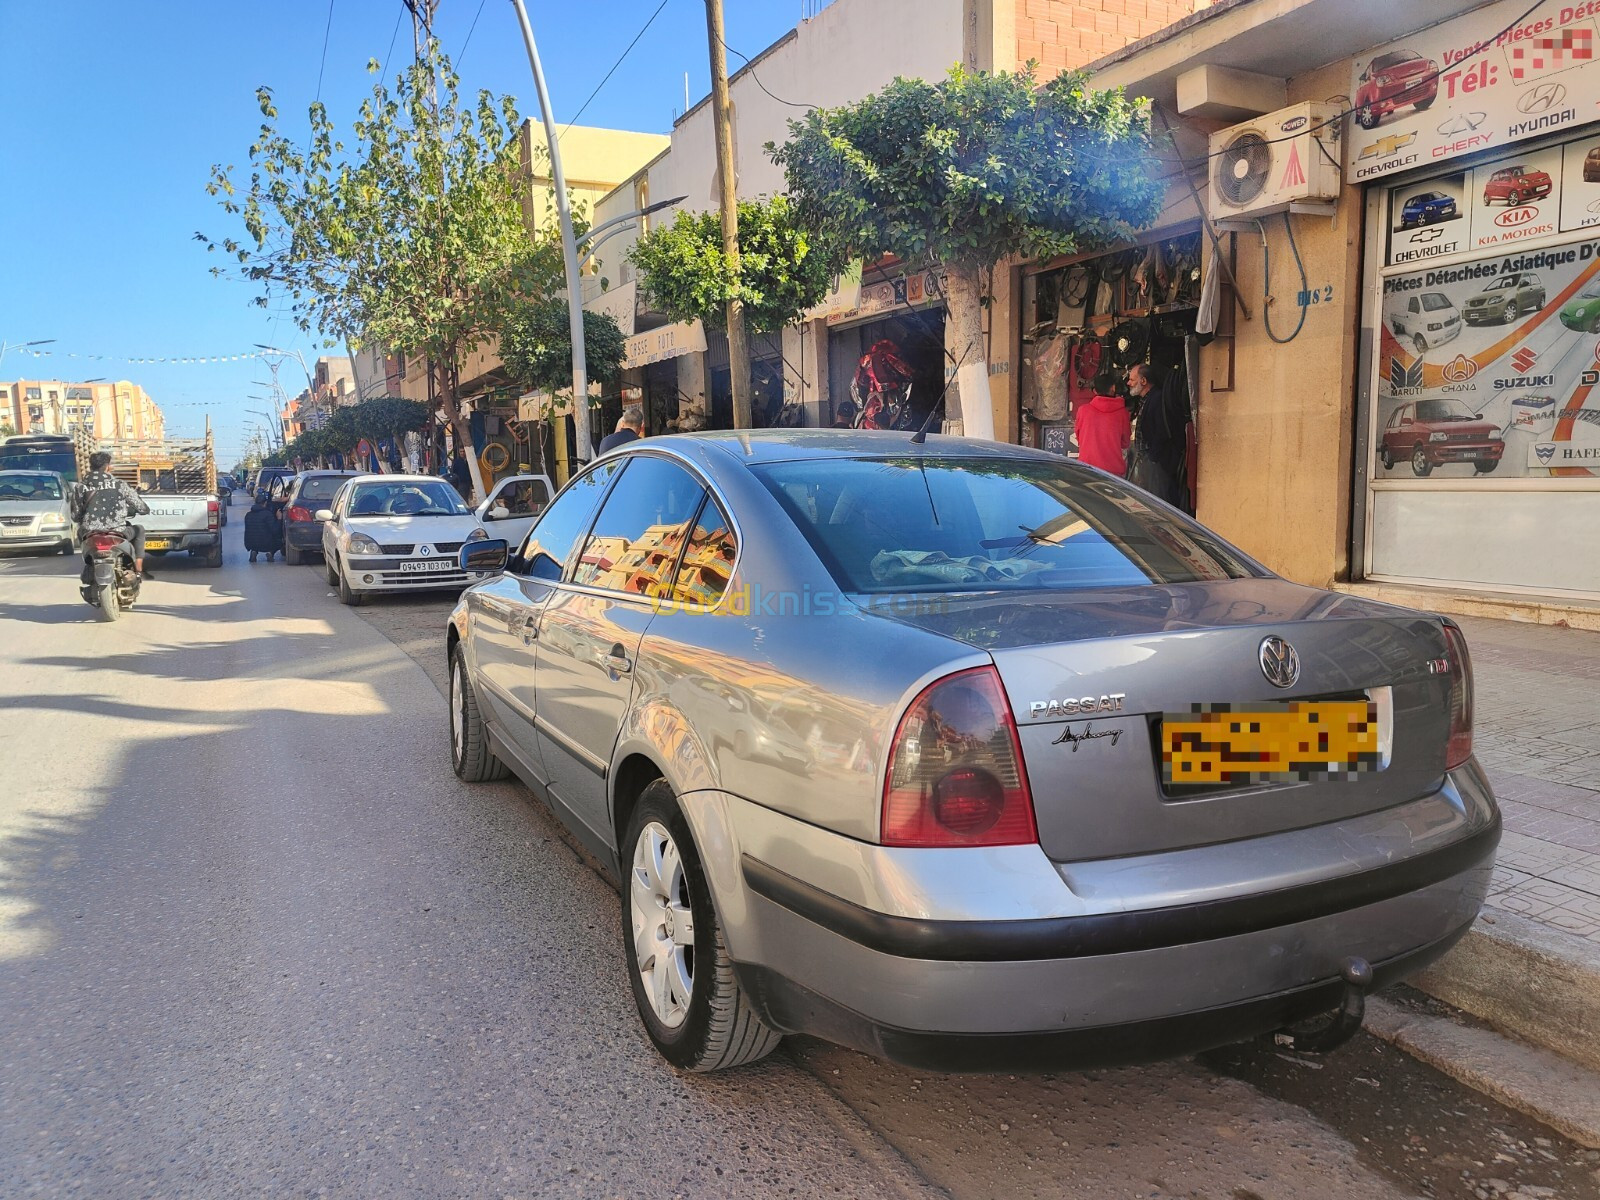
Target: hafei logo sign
{"points": [[1495, 76]]}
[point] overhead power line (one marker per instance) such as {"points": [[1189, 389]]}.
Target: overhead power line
{"points": [[584, 107], [326, 29]]}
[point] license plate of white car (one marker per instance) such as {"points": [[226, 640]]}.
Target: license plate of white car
{"points": [[428, 564]]}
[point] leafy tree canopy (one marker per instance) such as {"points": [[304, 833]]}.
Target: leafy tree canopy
{"points": [[536, 346], [975, 167], [784, 269]]}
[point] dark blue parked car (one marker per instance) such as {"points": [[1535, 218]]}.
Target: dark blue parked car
{"points": [[1427, 207]]}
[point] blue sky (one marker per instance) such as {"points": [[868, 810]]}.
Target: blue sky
{"points": [[111, 115]]}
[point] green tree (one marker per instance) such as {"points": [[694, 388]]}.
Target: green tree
{"points": [[968, 171], [784, 268], [536, 346], [412, 239]]}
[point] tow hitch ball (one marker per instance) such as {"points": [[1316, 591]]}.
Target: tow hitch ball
{"points": [[1341, 1024]]}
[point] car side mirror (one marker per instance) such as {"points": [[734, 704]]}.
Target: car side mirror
{"points": [[484, 555], [322, 514]]}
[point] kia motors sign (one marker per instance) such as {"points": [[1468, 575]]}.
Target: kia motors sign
{"points": [[1489, 79]]}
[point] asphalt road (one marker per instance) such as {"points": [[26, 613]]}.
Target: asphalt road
{"points": [[255, 938]]}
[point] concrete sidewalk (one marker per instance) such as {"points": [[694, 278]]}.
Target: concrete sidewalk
{"points": [[1538, 737]]}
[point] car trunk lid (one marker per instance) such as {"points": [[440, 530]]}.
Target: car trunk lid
{"points": [[1116, 661]]}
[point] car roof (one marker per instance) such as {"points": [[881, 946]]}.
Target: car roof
{"points": [[755, 447], [375, 477]]}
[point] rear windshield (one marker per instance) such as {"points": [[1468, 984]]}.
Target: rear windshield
{"points": [[961, 525], [321, 487]]}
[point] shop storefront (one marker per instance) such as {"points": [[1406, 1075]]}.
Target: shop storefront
{"points": [[887, 354], [1478, 456], [1105, 313]]}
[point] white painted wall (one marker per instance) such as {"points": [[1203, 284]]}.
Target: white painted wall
{"points": [[851, 49]]}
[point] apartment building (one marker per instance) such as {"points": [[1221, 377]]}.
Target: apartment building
{"points": [[109, 410]]}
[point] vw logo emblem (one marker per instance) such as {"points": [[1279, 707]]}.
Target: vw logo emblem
{"points": [[1279, 663], [427, 550]]}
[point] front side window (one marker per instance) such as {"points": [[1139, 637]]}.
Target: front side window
{"points": [[639, 535], [968, 525], [550, 542]]}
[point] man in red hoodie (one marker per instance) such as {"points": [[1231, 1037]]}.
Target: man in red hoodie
{"points": [[1104, 429]]}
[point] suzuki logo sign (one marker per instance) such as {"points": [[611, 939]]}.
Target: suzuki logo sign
{"points": [[1523, 359]]}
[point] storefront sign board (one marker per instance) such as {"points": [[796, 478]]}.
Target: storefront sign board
{"points": [[842, 297], [669, 341], [1489, 368], [885, 296], [1484, 80], [1515, 199], [620, 304]]}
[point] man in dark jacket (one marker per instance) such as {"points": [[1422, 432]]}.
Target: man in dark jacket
{"points": [[263, 530], [102, 503], [629, 429], [1162, 433]]}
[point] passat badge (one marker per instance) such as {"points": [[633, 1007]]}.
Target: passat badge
{"points": [[1279, 662], [1083, 705]]}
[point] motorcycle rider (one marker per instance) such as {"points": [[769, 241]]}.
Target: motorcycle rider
{"points": [[102, 503]]}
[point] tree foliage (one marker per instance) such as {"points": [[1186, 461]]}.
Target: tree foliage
{"points": [[536, 346], [784, 269], [412, 237], [975, 167], [373, 419]]}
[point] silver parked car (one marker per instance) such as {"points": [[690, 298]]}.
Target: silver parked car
{"points": [[35, 512], [968, 756]]}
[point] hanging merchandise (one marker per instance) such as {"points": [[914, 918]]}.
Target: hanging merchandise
{"points": [[1127, 344], [1051, 365], [882, 388]]}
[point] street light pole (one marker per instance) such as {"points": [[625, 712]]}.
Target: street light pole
{"points": [[569, 247]]}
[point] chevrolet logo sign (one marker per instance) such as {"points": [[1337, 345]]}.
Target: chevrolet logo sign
{"points": [[1384, 147]]}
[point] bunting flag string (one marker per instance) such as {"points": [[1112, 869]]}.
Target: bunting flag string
{"points": [[169, 359]]}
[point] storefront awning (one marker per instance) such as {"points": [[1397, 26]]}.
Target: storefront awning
{"points": [[668, 341]]}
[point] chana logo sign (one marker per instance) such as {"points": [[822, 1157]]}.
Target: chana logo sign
{"points": [[1459, 369]]}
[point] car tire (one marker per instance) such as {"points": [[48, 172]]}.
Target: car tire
{"points": [[66, 547], [214, 555], [1510, 312], [330, 571], [1425, 105], [1366, 117], [1420, 344], [470, 755], [1513, 199], [347, 594], [1594, 325], [663, 882], [291, 555], [1386, 458], [1420, 466], [1484, 468]]}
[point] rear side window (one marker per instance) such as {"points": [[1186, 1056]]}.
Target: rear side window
{"points": [[964, 525], [550, 542], [320, 487], [707, 563], [639, 534]]}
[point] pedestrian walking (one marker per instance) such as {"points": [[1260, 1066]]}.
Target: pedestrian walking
{"points": [[1103, 428], [263, 529]]}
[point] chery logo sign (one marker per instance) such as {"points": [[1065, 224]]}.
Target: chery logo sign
{"points": [[1512, 217], [1459, 369]]}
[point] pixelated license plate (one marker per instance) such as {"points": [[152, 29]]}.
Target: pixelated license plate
{"points": [[1294, 742]]}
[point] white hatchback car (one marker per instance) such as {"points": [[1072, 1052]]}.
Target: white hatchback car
{"points": [[396, 533]]}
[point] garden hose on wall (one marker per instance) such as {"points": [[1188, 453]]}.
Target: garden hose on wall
{"points": [[1266, 282], [493, 460]]}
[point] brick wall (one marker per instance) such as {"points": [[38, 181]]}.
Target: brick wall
{"points": [[1062, 34]]}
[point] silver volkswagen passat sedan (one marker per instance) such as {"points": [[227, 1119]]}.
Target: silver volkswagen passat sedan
{"points": [[968, 756]]}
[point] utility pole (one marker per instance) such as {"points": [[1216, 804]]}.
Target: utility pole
{"points": [[721, 111]]}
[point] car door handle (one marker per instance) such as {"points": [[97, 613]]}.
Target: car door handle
{"points": [[617, 662], [526, 626]]}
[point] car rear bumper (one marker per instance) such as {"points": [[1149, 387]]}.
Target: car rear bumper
{"points": [[893, 953], [177, 542], [303, 535]]}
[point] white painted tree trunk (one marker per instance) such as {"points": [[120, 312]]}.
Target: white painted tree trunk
{"points": [[968, 410]]}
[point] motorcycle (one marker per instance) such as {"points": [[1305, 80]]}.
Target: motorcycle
{"points": [[109, 581]]}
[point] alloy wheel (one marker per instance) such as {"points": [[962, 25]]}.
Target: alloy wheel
{"points": [[458, 713], [663, 925]]}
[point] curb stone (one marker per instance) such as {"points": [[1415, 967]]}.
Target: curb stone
{"points": [[1526, 978], [1545, 1086]]}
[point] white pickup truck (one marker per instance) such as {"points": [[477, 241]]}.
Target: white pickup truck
{"points": [[178, 479]]}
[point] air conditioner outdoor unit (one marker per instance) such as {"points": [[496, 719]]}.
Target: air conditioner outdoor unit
{"points": [[1284, 158]]}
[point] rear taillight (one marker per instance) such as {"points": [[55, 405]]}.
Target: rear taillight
{"points": [[955, 769], [1459, 665], [296, 513], [213, 515], [102, 542]]}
